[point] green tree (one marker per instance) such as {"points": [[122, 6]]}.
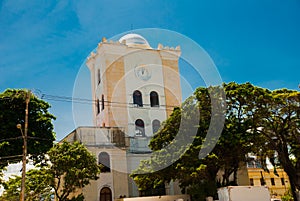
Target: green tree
{"points": [[40, 128], [70, 167], [278, 134], [257, 121], [36, 184], [189, 170], [244, 110]]}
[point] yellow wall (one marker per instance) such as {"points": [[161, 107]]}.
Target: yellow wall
{"points": [[115, 92], [278, 188], [171, 84]]}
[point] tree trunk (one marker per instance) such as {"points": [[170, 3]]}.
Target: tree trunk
{"points": [[225, 179], [235, 176], [293, 189], [291, 171]]}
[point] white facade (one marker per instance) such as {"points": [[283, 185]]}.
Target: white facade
{"points": [[121, 73]]}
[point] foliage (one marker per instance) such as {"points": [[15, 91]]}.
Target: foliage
{"points": [[71, 168], [278, 134], [36, 184], [1, 176], [287, 196], [243, 110], [40, 128], [180, 127], [257, 121]]}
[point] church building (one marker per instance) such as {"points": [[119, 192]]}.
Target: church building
{"points": [[135, 88]]}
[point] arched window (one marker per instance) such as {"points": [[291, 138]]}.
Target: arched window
{"points": [[138, 98], [102, 100], [105, 194], [139, 128], [104, 160], [155, 125], [154, 101]]}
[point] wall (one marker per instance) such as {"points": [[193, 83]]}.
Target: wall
{"points": [[276, 190], [158, 198]]}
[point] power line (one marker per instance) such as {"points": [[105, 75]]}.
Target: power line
{"points": [[107, 103], [38, 138], [13, 158], [13, 138], [6, 157], [9, 161], [45, 96], [20, 137]]}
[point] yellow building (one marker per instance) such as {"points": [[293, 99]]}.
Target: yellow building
{"points": [[278, 183], [135, 88]]}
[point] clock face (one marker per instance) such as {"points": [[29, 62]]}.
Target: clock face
{"points": [[142, 72]]}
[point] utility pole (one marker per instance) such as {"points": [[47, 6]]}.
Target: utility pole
{"points": [[22, 195]]}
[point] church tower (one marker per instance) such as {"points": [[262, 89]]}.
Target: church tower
{"points": [[135, 86]]}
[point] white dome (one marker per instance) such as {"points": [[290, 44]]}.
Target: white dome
{"points": [[134, 39]]}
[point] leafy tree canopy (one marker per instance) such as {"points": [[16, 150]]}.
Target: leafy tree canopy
{"points": [[36, 183], [40, 128], [277, 133], [257, 121], [69, 168]]}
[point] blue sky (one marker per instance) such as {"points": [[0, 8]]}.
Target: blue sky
{"points": [[44, 43]]}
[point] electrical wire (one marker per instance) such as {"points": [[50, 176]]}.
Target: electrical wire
{"points": [[92, 101], [107, 103], [28, 137], [38, 138], [13, 138], [6, 157]]}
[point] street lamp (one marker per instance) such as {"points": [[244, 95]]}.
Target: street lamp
{"points": [[19, 126]]}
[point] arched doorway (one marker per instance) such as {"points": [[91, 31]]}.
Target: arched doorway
{"points": [[105, 194]]}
